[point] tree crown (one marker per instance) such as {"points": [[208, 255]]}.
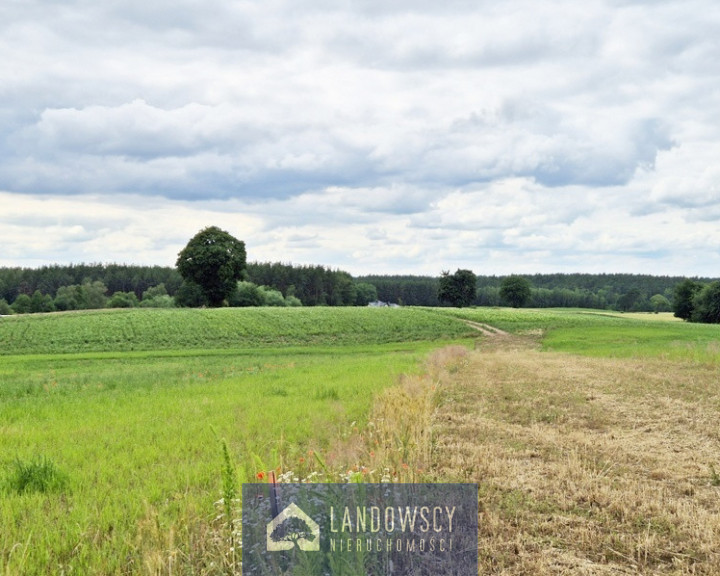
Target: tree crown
{"points": [[214, 260]]}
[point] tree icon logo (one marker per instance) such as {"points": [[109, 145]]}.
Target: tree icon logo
{"points": [[292, 527]]}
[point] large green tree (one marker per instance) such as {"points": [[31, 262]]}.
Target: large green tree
{"points": [[365, 293], [516, 291], [660, 303], [214, 260], [683, 297], [706, 304], [458, 289]]}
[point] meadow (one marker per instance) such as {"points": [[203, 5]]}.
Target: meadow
{"points": [[605, 333], [112, 423], [593, 436]]}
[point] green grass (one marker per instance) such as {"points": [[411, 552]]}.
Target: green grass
{"points": [[608, 334], [136, 437], [112, 422], [37, 475], [183, 329]]}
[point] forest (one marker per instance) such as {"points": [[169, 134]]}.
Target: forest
{"points": [[624, 292], [85, 286], [82, 286]]}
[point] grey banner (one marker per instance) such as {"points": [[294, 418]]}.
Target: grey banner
{"points": [[360, 529]]}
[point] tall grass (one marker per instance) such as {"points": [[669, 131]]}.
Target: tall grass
{"points": [[134, 434], [39, 474]]}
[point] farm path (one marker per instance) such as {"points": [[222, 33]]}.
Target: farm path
{"points": [[486, 329]]}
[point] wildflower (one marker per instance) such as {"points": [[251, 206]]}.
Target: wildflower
{"points": [[261, 475]]}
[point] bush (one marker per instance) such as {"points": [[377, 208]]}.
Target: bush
{"points": [[272, 297], [154, 292], [22, 304], [293, 301], [41, 302], [660, 304], [246, 294], [683, 298], [86, 296], [38, 475], [516, 291], [458, 289], [123, 300], [158, 302], [365, 293], [5, 309]]}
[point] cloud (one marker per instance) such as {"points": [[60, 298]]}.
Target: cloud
{"points": [[370, 135]]}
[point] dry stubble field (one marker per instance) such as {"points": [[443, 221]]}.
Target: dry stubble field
{"points": [[585, 465]]}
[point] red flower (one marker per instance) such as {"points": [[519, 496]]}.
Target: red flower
{"points": [[261, 475]]}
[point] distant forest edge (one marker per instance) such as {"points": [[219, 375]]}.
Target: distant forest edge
{"points": [[82, 286], [625, 292]]}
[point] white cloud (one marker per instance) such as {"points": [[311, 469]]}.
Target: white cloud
{"points": [[374, 136]]}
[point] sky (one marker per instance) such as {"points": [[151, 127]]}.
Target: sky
{"points": [[376, 137]]}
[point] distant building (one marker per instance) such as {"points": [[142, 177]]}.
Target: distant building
{"points": [[381, 304]]}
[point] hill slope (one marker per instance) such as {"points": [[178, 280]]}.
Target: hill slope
{"points": [[161, 329]]}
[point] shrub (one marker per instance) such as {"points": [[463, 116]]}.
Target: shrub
{"points": [[246, 294], [158, 302], [22, 304], [190, 295], [293, 301], [38, 475], [5, 309], [683, 297], [123, 300], [272, 297], [516, 291], [154, 292]]}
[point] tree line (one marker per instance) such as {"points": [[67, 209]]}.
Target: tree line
{"points": [[81, 286], [89, 286], [622, 292], [212, 271]]}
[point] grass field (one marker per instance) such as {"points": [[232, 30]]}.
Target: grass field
{"points": [[128, 409], [593, 436], [597, 333]]}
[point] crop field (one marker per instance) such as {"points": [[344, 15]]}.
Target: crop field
{"points": [[593, 436], [172, 329]]}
